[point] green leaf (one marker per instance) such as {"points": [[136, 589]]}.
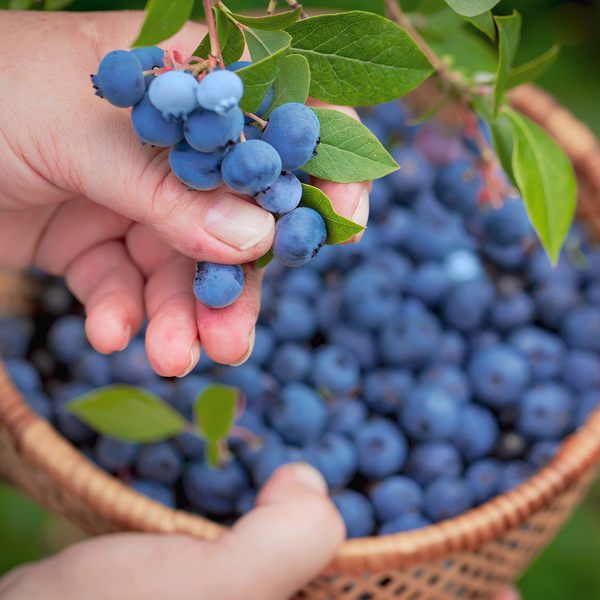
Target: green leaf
{"points": [[292, 83], [214, 410], [339, 229], [267, 49], [485, 23], [532, 70], [234, 46], [20, 4], [509, 29], [270, 23], [127, 413], [164, 18], [348, 151], [439, 24], [222, 25], [56, 4], [546, 180], [471, 8], [503, 143], [470, 54], [358, 58], [264, 260]]}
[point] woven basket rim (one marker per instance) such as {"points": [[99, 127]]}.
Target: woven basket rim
{"points": [[40, 444]]}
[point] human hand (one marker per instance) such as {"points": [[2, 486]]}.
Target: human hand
{"points": [[81, 197]]}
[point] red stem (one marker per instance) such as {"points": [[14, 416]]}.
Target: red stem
{"points": [[215, 48]]}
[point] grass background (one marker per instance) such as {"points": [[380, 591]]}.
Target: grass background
{"points": [[570, 566]]}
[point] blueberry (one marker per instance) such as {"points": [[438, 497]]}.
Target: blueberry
{"points": [[335, 369], [40, 404], [23, 375], [405, 522], [429, 413], [429, 460], [220, 91], [252, 133], [207, 131], [328, 308], [93, 368], [446, 497], [251, 167], [114, 455], [66, 338], [382, 448], [483, 477], [68, 424], [156, 491], [346, 415], [430, 282], [160, 462], [335, 457], [452, 348], [186, 393], [359, 341], [414, 176], [588, 401], [396, 227], [283, 196], [151, 127], [478, 432], [214, 490], [514, 474], [264, 343], [508, 224], [499, 374], [291, 362], [450, 377], [190, 445], [507, 257], [540, 270], [302, 282], [218, 286], [299, 235], [394, 496], [293, 319], [357, 512], [581, 328], [554, 299], [467, 305], [544, 350], [386, 390], [15, 335], [132, 365], [198, 170], [293, 130], [439, 145], [151, 57], [545, 412], [512, 309], [381, 195], [458, 185], [542, 453], [120, 79], [301, 414], [581, 369], [174, 94], [258, 386], [273, 458], [395, 264]]}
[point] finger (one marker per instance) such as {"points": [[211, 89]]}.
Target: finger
{"points": [[227, 334], [510, 593], [351, 200], [109, 285]]}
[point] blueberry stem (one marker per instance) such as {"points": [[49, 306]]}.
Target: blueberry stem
{"points": [[260, 121], [272, 6], [215, 49]]}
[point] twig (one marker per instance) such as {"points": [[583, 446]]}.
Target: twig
{"points": [[294, 5], [215, 48], [257, 119], [272, 6]]}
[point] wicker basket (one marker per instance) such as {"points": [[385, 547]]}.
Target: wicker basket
{"points": [[471, 556]]}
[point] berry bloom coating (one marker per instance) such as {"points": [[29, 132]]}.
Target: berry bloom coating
{"points": [[251, 167], [299, 235], [150, 57], [218, 286], [174, 94], [198, 170], [220, 91], [206, 130], [120, 79], [293, 130], [283, 196], [152, 128]]}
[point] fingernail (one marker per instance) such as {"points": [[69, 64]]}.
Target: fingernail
{"points": [[237, 222], [361, 214], [127, 338], [194, 358], [246, 356], [306, 476]]}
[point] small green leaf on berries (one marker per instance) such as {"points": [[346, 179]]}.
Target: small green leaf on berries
{"points": [[264, 260], [127, 413], [267, 49], [534, 69], [164, 18], [546, 180], [269, 23], [471, 8], [358, 58], [485, 23], [292, 83], [339, 229], [348, 151], [509, 29], [233, 48]]}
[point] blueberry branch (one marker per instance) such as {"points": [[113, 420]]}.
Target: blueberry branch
{"points": [[215, 48], [294, 5], [272, 6]]}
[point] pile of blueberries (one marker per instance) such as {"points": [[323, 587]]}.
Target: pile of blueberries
{"points": [[437, 363], [212, 142]]}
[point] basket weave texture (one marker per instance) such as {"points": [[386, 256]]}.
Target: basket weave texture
{"points": [[471, 556]]}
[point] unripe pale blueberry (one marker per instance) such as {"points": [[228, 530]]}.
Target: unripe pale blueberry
{"points": [[174, 94], [220, 91]]}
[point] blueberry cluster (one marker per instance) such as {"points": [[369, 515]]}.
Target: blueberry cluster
{"points": [[435, 364], [197, 115]]}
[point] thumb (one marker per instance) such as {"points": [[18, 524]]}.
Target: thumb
{"points": [[287, 540]]}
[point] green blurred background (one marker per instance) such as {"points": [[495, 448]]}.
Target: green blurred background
{"points": [[570, 566]]}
